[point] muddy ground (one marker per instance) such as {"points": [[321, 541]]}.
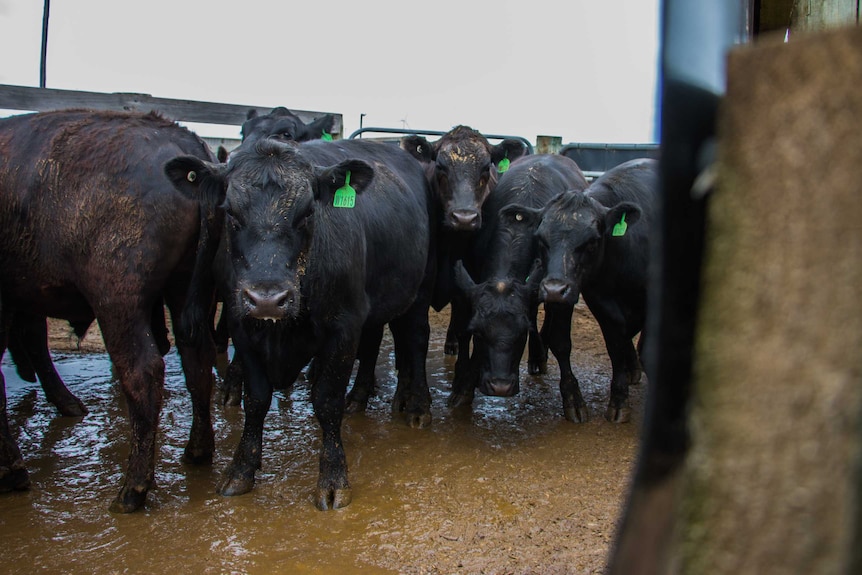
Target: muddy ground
{"points": [[508, 488]]}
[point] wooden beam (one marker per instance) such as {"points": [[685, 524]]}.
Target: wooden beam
{"points": [[43, 99]]}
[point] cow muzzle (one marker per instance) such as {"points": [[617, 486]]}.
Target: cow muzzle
{"points": [[268, 303], [558, 291], [499, 386], [465, 220]]}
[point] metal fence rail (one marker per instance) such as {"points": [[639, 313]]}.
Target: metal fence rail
{"points": [[406, 132]]}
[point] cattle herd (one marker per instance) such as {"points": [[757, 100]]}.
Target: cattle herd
{"points": [[313, 246]]}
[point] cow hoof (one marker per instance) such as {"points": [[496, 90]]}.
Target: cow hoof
{"points": [[14, 478], [129, 500], [222, 363], [353, 406], [235, 485], [419, 420], [634, 377], [333, 498], [450, 348], [71, 408], [198, 456], [458, 400], [538, 368], [356, 402], [577, 413], [618, 414]]}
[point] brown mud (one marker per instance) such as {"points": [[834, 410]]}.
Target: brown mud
{"points": [[509, 487]]}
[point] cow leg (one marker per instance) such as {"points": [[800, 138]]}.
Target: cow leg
{"points": [[558, 325], [365, 382], [450, 346], [221, 338], [160, 328], [335, 364], [466, 371], [633, 364], [621, 352], [197, 358], [13, 473], [238, 478], [31, 334], [141, 371], [230, 389], [537, 356], [411, 334]]}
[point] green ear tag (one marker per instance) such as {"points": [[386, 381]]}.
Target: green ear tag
{"points": [[326, 137], [620, 227], [503, 165], [345, 196]]}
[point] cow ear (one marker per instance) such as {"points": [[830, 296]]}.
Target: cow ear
{"points": [[198, 180], [321, 127], [510, 149], [222, 154], [515, 215], [462, 279], [419, 148], [354, 175], [620, 218]]}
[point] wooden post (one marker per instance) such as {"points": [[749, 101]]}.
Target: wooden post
{"points": [[548, 144], [772, 482]]}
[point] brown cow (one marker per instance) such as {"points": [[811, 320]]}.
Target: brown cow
{"points": [[90, 228]]}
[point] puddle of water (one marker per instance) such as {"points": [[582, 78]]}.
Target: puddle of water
{"points": [[407, 483]]}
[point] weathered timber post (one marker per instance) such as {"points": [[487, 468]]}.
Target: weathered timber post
{"points": [[548, 144], [772, 480]]}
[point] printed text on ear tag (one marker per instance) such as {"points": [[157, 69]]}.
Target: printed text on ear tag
{"points": [[503, 165], [345, 196], [620, 227], [326, 137]]}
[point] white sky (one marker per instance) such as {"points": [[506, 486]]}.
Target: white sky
{"points": [[584, 70]]}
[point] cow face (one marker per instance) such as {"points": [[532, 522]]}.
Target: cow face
{"points": [[271, 194], [500, 324], [282, 124], [462, 169], [573, 235]]}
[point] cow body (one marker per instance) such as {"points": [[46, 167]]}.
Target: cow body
{"points": [[311, 280], [596, 243], [503, 289], [90, 228]]}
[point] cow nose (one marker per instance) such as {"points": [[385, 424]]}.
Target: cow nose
{"points": [[267, 303], [499, 386], [555, 291], [465, 219]]}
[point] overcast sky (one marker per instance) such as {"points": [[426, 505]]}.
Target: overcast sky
{"points": [[584, 70]]}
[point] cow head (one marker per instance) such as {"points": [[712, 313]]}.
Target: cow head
{"points": [[284, 125], [500, 324], [270, 195], [462, 169], [573, 234]]}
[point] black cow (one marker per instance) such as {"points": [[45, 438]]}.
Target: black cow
{"points": [[596, 243], [281, 124], [286, 126], [329, 241], [462, 168], [90, 228], [505, 302]]}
